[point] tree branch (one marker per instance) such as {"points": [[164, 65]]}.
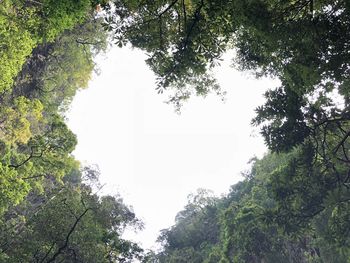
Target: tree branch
{"points": [[65, 245], [32, 155], [167, 9], [341, 142]]}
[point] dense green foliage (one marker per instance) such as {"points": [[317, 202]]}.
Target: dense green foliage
{"points": [[49, 208], [25, 24], [305, 44], [294, 205], [240, 226], [69, 223], [36, 142]]}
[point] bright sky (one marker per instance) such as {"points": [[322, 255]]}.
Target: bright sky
{"points": [[153, 156]]}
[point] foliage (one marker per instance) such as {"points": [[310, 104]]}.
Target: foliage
{"points": [[58, 16], [12, 188], [302, 43], [48, 211], [16, 44], [54, 72], [35, 142], [25, 23], [79, 227], [25, 166], [18, 122], [195, 232], [294, 204], [246, 228]]}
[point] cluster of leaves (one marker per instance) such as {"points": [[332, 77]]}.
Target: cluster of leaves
{"points": [[296, 202], [243, 226], [16, 44], [55, 71], [301, 42], [35, 141], [49, 211], [181, 39], [26, 23], [69, 223], [305, 44]]}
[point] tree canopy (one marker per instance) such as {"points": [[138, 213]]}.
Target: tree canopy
{"points": [[49, 207], [293, 206], [245, 225], [305, 44]]}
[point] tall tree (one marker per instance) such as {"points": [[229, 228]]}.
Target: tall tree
{"points": [[242, 226], [303, 43], [69, 225]]}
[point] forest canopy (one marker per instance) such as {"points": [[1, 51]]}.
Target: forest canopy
{"points": [[294, 203]]}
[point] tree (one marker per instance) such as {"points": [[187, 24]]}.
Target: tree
{"points": [[35, 142], [25, 24], [242, 226], [18, 122], [12, 188], [48, 211], [196, 230], [303, 43], [300, 42], [72, 225], [16, 45], [55, 71], [26, 166]]}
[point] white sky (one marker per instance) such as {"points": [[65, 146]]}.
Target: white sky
{"points": [[153, 156]]}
